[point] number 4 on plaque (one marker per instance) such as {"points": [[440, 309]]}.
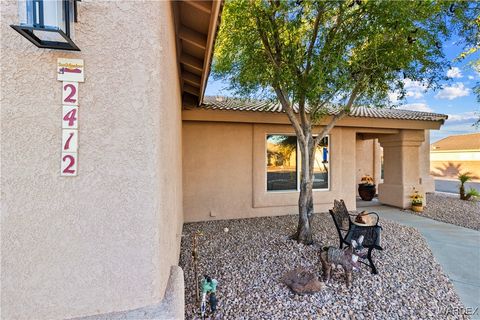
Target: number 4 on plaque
{"points": [[68, 165], [70, 117]]}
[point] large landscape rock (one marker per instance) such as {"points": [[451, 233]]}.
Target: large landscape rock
{"points": [[302, 281]]}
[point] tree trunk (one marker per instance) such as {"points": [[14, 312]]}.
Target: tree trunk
{"points": [[305, 200], [308, 145], [462, 192]]}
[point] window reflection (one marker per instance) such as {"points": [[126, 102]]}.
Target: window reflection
{"points": [[282, 168], [321, 166], [281, 162]]}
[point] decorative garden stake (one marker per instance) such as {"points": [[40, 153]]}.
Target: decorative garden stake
{"points": [[366, 188], [347, 258], [195, 263], [209, 286], [417, 201]]}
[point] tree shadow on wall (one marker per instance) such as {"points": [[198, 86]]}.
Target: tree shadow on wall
{"points": [[450, 170]]}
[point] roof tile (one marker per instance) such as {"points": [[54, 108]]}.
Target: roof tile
{"points": [[224, 103]]}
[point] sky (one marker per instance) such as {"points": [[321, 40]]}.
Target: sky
{"points": [[455, 99]]}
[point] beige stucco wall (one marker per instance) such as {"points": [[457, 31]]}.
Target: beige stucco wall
{"points": [[368, 160], [450, 169], [428, 184], [224, 171], [224, 168], [449, 164], [405, 167], [105, 240], [364, 159]]}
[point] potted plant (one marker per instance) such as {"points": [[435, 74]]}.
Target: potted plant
{"points": [[366, 188], [417, 201]]}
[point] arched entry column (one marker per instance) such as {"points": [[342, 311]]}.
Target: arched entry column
{"points": [[402, 167]]}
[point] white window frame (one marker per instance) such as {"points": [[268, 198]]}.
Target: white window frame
{"points": [[298, 167]]}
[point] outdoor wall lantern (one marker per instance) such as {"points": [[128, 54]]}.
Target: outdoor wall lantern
{"points": [[48, 24]]}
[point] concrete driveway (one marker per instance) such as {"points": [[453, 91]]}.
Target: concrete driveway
{"points": [[457, 249], [451, 186]]}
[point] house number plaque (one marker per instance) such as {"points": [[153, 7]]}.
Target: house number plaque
{"points": [[70, 72]]}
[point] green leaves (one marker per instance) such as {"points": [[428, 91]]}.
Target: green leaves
{"points": [[318, 51]]}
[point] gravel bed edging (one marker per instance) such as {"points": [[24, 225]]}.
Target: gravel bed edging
{"points": [[249, 260], [447, 207]]}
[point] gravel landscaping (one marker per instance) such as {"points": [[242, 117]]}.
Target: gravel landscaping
{"points": [[249, 260], [450, 209]]}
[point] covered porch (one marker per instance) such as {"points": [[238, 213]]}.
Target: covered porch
{"points": [[398, 160]]}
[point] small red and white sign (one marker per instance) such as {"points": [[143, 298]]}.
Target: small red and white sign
{"points": [[68, 165], [70, 93], [70, 70], [70, 117], [69, 140]]}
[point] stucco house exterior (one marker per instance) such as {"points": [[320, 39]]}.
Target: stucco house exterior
{"points": [[454, 155], [153, 152], [104, 240], [226, 170]]}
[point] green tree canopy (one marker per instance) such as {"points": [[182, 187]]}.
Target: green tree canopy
{"points": [[323, 54]]}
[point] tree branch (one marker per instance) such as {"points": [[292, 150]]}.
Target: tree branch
{"points": [[331, 34], [276, 37], [341, 114], [313, 40], [266, 43], [303, 114], [290, 112], [313, 111]]}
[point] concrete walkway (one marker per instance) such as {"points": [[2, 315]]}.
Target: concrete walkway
{"points": [[457, 249]]}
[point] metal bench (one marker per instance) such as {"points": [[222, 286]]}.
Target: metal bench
{"points": [[348, 230]]}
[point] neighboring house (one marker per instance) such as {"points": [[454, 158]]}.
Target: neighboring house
{"points": [[454, 155], [154, 153]]}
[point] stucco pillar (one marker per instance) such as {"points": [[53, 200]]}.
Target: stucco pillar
{"points": [[401, 154], [377, 161], [427, 181]]}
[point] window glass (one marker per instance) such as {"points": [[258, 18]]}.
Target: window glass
{"points": [[321, 165], [281, 162]]}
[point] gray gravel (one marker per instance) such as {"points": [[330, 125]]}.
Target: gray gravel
{"points": [[449, 208], [249, 260]]}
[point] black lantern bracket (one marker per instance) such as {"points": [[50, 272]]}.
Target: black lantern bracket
{"points": [[49, 36]]}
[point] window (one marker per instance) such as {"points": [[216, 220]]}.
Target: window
{"points": [[283, 172], [321, 166]]}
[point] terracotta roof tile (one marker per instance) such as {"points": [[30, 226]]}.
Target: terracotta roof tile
{"points": [[224, 103]]}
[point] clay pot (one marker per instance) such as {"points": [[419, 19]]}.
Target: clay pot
{"points": [[417, 207], [367, 192]]}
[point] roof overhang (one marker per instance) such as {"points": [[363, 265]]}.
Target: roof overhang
{"points": [[196, 25], [208, 115]]}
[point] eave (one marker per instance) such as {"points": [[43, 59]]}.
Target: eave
{"points": [[196, 25]]}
